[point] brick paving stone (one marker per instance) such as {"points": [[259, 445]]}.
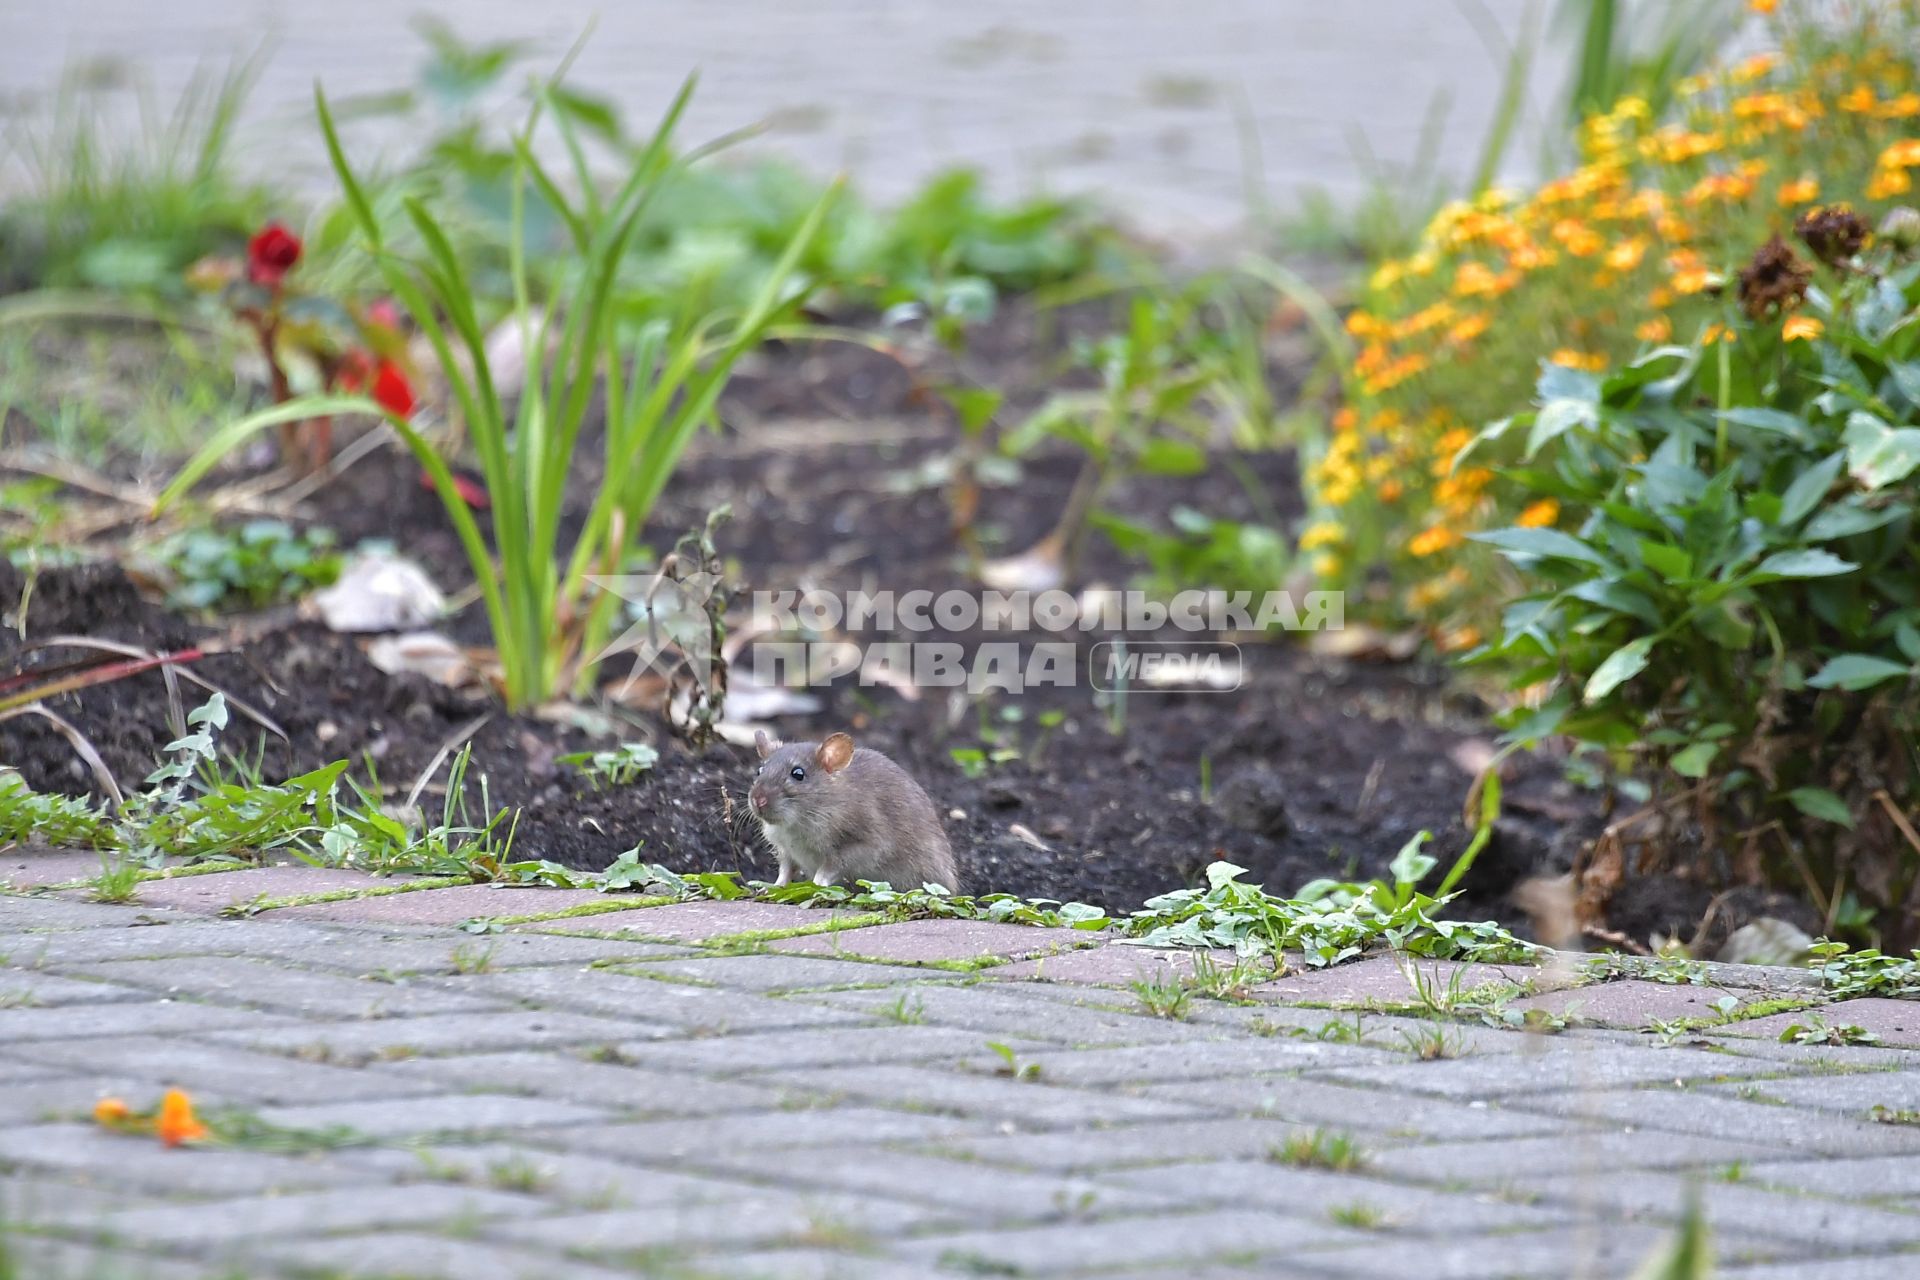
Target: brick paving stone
{"points": [[418, 1256], [33, 868], [1113, 1243], [1319, 1193], [1001, 1010], [453, 905], [1894, 1022], [258, 1077], [1825, 1059], [1874, 1177], [19, 914], [764, 1055], [1320, 1102], [689, 1141], [72, 1096], [367, 951], [1516, 1162], [354, 1043], [210, 893], [1035, 1105], [313, 1212], [456, 1113], [559, 1074], [1735, 1211], [33, 988], [579, 1181], [1713, 1113], [768, 973], [756, 1216], [1198, 1059], [1590, 1250], [673, 1004], [38, 1202], [129, 1018], [33, 1259], [931, 941], [111, 1159], [1554, 1064], [1384, 978], [1095, 1151], [168, 935], [284, 988], [1633, 1002], [706, 921], [803, 1264], [1111, 964], [968, 1187]]}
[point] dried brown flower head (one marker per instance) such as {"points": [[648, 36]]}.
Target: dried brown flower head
{"points": [[1834, 232], [1774, 281]]}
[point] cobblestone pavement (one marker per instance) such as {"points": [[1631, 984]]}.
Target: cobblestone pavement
{"points": [[747, 1089], [1173, 112]]}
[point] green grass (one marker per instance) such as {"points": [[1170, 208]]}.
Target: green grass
{"points": [[1320, 1149]]}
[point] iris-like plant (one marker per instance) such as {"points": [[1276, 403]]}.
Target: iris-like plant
{"points": [[661, 369]]}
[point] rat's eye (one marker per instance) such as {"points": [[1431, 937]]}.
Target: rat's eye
{"points": [[797, 774]]}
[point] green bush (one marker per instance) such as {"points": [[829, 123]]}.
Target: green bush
{"points": [[1731, 603]]}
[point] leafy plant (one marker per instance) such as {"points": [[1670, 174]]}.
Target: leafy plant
{"points": [[617, 767], [1846, 973], [57, 819], [1321, 1149], [259, 563], [1733, 612], [1163, 995], [1011, 1063], [1815, 1030], [660, 379]]}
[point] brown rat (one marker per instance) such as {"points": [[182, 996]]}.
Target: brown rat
{"points": [[841, 813]]}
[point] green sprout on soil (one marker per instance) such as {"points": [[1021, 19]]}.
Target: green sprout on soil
{"points": [[260, 563], [1359, 1215], [1320, 1149], [118, 880], [1011, 1064], [908, 1010], [616, 767], [1163, 995], [1815, 1030]]}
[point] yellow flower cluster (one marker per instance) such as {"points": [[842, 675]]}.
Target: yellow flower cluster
{"points": [[1634, 247]]}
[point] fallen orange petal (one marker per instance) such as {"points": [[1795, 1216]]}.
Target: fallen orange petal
{"points": [[178, 1124], [111, 1111]]}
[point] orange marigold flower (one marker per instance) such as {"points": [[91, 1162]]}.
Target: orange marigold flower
{"points": [[1626, 255], [1455, 639], [1802, 328], [1468, 329], [1859, 100], [1718, 333], [111, 1111], [1889, 182], [1658, 329], [1801, 191], [1763, 6], [1760, 63], [177, 1122], [1390, 490], [1904, 107], [1577, 238], [1904, 154], [1433, 540], [1543, 512], [1591, 361]]}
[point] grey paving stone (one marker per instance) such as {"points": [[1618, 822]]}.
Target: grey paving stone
{"points": [[1111, 964], [1901, 1266], [559, 1074], [706, 921], [35, 988], [768, 973], [364, 953], [1873, 1177], [1516, 1162], [34, 866], [284, 988], [1034, 1105], [1711, 1113], [1554, 1064], [312, 1213], [1591, 1250], [1894, 1022], [351, 1043], [765, 1055], [72, 1096], [190, 1064], [1391, 979], [759, 1216], [33, 1259], [457, 1113], [802, 1264], [931, 941], [1183, 1239], [210, 893], [1736, 1211], [1098, 1150], [1003, 1010], [130, 1018], [1825, 1059], [167, 934], [580, 1181], [448, 906], [672, 1004], [1193, 1060], [29, 1202], [978, 1191], [18, 914], [1319, 1102], [418, 1256], [1319, 1193], [671, 1141], [1635, 1002], [117, 1160]]}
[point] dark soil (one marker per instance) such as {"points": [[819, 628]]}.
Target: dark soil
{"points": [[1314, 767]]}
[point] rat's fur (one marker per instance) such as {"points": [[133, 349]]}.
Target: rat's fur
{"points": [[856, 815]]}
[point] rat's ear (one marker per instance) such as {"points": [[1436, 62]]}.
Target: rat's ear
{"points": [[834, 752], [762, 743]]}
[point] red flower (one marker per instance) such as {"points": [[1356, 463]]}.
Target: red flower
{"points": [[390, 390], [271, 254]]}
